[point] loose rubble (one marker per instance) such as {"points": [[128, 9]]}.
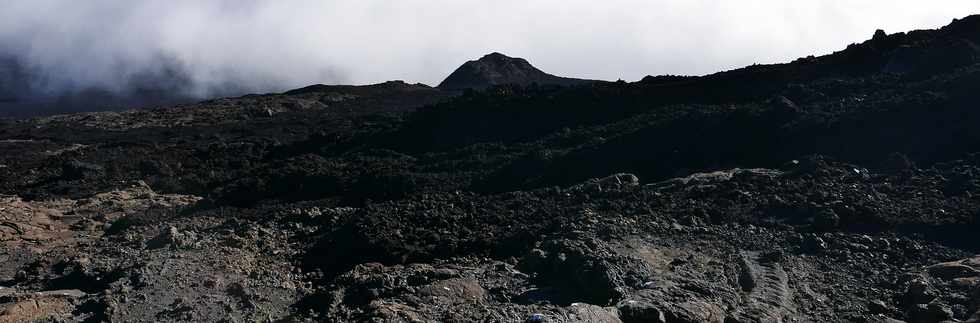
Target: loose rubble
{"points": [[840, 188]]}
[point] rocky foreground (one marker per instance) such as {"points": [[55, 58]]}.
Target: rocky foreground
{"points": [[836, 188]]}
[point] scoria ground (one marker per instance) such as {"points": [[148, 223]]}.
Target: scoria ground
{"points": [[837, 188]]}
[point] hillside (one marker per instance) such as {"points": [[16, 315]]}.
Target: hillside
{"points": [[835, 188]]}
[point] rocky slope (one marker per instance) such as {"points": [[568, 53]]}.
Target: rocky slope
{"points": [[829, 189]]}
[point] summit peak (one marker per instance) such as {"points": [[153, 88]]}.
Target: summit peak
{"points": [[498, 69]]}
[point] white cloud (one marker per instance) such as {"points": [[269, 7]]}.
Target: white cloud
{"points": [[275, 45]]}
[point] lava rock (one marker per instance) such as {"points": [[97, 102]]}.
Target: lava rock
{"points": [[897, 163], [826, 220], [784, 109], [930, 313], [878, 307], [813, 243], [919, 291], [588, 313], [455, 288], [632, 311], [171, 236], [536, 318], [952, 270], [75, 169]]}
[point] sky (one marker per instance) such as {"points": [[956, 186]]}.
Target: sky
{"points": [[265, 46]]}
